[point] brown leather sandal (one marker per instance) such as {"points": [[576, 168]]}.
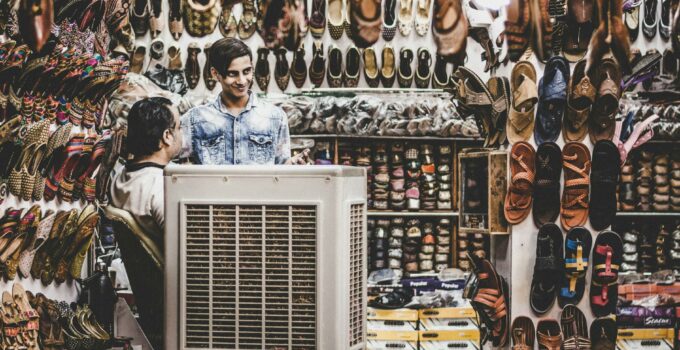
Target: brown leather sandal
{"points": [[520, 194], [518, 28], [576, 163], [549, 335], [523, 334], [490, 299], [450, 30], [365, 21], [521, 119]]}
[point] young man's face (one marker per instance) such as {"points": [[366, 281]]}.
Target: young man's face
{"points": [[173, 138], [238, 79]]}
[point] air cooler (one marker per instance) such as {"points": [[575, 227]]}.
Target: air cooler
{"points": [[265, 257]]}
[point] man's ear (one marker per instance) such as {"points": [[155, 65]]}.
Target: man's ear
{"points": [[167, 137], [214, 73]]}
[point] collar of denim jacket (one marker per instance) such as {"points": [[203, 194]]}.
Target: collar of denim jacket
{"points": [[252, 103]]}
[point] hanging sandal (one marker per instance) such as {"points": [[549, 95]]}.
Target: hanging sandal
{"points": [[576, 163], [247, 23], [548, 268], [574, 328], [603, 333], [489, 300], [523, 334], [520, 194], [549, 335], [576, 250], [607, 258], [521, 121]]}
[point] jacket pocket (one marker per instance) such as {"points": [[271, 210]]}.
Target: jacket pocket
{"points": [[261, 148], [213, 150]]}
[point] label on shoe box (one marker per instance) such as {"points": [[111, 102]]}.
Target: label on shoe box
{"points": [[392, 315], [472, 335], [450, 318], [392, 335], [644, 339], [448, 345], [391, 325], [372, 344], [642, 317]]}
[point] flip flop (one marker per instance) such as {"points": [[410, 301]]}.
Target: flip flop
{"points": [[548, 268], [607, 258], [576, 250], [575, 329]]}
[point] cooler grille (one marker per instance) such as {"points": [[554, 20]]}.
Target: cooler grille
{"points": [[357, 310], [250, 276]]}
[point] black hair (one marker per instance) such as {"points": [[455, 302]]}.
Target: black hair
{"points": [[225, 50], [147, 121]]}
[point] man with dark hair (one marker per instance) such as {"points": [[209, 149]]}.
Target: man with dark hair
{"points": [[236, 128], [154, 139]]}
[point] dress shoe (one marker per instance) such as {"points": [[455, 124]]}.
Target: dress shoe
{"points": [[281, 69], [352, 66], [208, 78], [262, 73], [317, 69], [192, 70], [298, 69], [335, 69], [388, 72], [405, 76]]}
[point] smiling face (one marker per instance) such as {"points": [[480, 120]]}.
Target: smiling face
{"points": [[238, 78]]}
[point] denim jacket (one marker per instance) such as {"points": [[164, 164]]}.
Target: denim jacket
{"points": [[258, 135]]}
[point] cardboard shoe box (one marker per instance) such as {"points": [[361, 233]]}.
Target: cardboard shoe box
{"points": [[390, 329], [645, 338], [447, 328]]}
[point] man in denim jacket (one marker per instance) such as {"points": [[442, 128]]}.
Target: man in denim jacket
{"points": [[236, 128]]}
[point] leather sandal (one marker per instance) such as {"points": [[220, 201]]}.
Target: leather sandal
{"points": [[228, 24], [549, 335], [552, 100], [520, 194], [499, 88], [581, 97], [576, 250], [580, 26], [576, 163], [139, 17], [546, 202], [605, 108], [604, 179], [200, 16], [490, 301], [574, 328], [603, 334], [548, 269], [607, 258], [247, 22], [450, 30], [523, 333], [520, 124]]}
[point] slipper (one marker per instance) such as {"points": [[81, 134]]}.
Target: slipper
{"points": [[604, 179], [546, 206], [520, 194], [581, 97], [606, 106], [576, 251], [576, 163], [548, 269], [607, 258], [574, 328], [552, 100], [603, 332], [549, 335], [524, 98], [523, 333]]}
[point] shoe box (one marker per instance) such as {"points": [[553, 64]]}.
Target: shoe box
{"points": [[390, 329], [645, 339], [450, 327], [644, 317], [633, 292]]}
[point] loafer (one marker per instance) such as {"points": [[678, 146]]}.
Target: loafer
{"points": [[371, 72], [281, 69], [388, 72], [423, 73], [298, 68], [317, 69], [262, 73], [335, 69], [352, 66], [405, 74]]}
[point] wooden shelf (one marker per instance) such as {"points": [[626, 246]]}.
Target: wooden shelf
{"points": [[413, 213]]}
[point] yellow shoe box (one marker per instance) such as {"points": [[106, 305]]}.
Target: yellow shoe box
{"points": [[448, 318], [445, 340], [645, 338], [391, 339]]}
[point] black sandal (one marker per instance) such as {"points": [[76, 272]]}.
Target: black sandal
{"points": [[548, 269]]}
